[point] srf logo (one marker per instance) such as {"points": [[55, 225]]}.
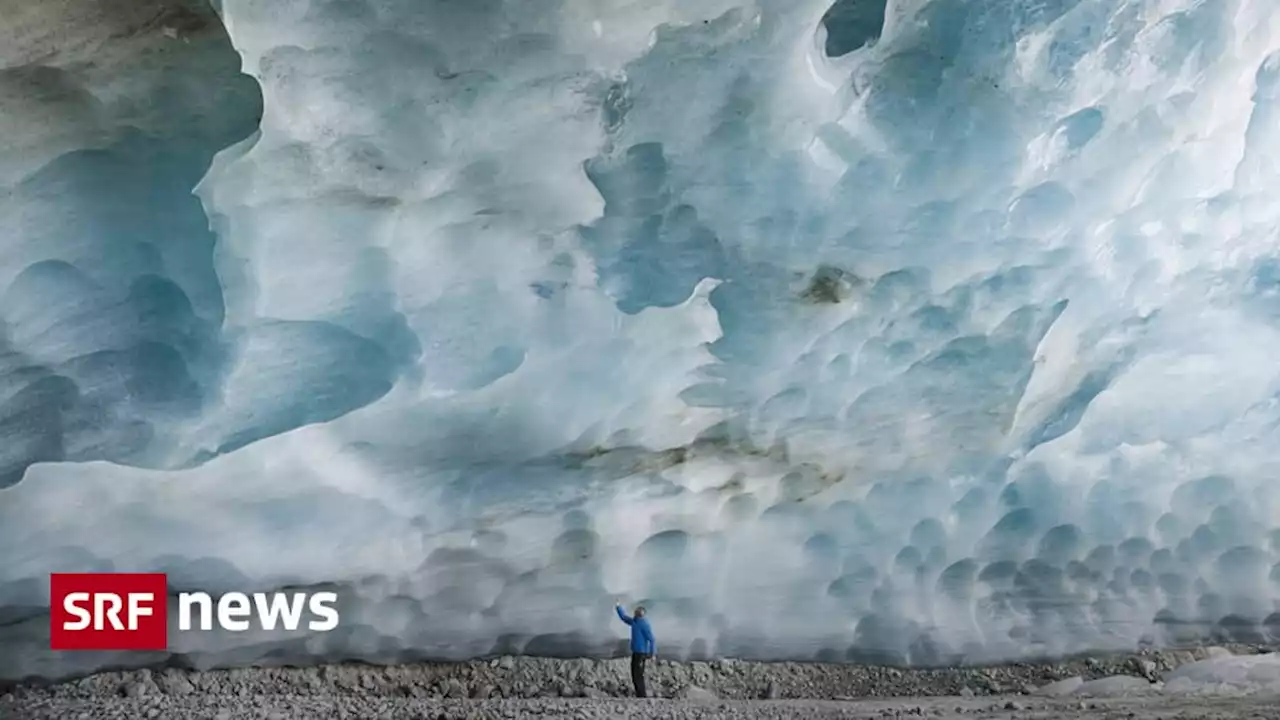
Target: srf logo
{"points": [[108, 611], [128, 611]]}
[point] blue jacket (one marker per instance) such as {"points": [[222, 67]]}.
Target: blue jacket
{"points": [[641, 634]]}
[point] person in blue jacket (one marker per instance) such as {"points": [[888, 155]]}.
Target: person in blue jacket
{"points": [[642, 645]]}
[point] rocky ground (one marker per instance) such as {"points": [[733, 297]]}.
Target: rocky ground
{"points": [[1098, 687]]}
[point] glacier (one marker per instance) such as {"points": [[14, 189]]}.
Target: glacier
{"points": [[916, 332]]}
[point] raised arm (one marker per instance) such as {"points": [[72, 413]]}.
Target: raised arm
{"points": [[622, 615]]}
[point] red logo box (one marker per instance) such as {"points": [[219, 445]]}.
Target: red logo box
{"points": [[108, 611]]}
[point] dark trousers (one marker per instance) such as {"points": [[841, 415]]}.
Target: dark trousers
{"points": [[637, 672]]}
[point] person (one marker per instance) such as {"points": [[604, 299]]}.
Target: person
{"points": [[642, 645]]}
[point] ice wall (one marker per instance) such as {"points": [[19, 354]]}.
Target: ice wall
{"points": [[914, 331]]}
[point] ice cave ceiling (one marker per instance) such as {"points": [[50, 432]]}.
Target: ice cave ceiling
{"points": [[915, 331]]}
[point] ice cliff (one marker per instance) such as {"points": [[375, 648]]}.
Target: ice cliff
{"points": [[912, 331]]}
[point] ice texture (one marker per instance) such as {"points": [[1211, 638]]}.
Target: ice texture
{"points": [[909, 331]]}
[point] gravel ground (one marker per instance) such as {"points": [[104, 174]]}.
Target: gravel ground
{"points": [[590, 689], [305, 708]]}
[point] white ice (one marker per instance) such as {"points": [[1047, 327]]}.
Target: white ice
{"points": [[1226, 675], [947, 334]]}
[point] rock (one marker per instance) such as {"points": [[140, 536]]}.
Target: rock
{"points": [[1060, 688], [309, 677], [966, 692], [1213, 653], [773, 692], [594, 693], [506, 662], [133, 689], [1011, 705], [483, 692], [175, 683], [697, 694]]}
